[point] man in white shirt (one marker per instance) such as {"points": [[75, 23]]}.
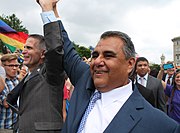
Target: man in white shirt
{"points": [[120, 107], [150, 82]]}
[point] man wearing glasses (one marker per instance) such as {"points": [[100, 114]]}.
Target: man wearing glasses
{"points": [[8, 117]]}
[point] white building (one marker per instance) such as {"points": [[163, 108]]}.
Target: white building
{"points": [[176, 50]]}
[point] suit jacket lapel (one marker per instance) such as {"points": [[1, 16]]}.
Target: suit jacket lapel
{"points": [[149, 82], [129, 115], [85, 96], [14, 94], [33, 74]]}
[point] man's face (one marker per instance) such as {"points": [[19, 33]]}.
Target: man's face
{"points": [[109, 68], [11, 68], [142, 68], [32, 54], [171, 71]]}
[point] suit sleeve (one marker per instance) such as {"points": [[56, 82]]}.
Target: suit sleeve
{"points": [[54, 54], [161, 97], [73, 64]]}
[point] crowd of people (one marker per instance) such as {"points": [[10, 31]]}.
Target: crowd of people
{"points": [[54, 90]]}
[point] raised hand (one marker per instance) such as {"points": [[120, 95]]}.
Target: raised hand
{"points": [[47, 5]]}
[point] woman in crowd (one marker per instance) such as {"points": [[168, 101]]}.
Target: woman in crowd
{"points": [[173, 92]]}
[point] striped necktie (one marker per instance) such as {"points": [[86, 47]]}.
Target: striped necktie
{"points": [[95, 97]]}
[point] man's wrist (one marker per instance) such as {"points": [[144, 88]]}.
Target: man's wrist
{"points": [[48, 17]]}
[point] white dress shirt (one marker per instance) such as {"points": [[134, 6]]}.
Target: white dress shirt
{"points": [[166, 78], [106, 108], [145, 78], [48, 17]]}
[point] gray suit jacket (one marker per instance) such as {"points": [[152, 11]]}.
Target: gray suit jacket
{"points": [[157, 89], [135, 116], [41, 93]]}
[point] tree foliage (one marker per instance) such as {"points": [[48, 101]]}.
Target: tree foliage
{"points": [[82, 51], [155, 66], [14, 23], [154, 69]]}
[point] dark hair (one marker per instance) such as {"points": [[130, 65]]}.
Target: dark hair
{"points": [[128, 48], [41, 40], [140, 59], [132, 75], [153, 72]]}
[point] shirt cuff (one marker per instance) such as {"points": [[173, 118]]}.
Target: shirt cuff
{"points": [[48, 17]]}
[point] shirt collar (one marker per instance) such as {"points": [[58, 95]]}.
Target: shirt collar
{"points": [[117, 94], [6, 78], [145, 77]]}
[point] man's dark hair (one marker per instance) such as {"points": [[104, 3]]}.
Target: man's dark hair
{"points": [[41, 40], [128, 48], [140, 59], [132, 75]]}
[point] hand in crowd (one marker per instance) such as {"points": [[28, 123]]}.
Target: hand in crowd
{"points": [[22, 72], [5, 104]]}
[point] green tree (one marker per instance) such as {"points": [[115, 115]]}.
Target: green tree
{"points": [[154, 69], [82, 51], [14, 23], [155, 66]]}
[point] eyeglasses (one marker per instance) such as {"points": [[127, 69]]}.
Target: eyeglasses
{"points": [[13, 65]]}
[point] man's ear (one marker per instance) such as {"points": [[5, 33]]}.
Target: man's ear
{"points": [[43, 54], [131, 64]]}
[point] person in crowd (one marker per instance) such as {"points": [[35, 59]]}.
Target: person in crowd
{"points": [[70, 87], [2, 76], [2, 84], [104, 98], [66, 99], [41, 91], [150, 83], [173, 93], [8, 117], [153, 72], [68, 90], [167, 75]]}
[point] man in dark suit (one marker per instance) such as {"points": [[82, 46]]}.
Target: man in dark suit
{"points": [[146, 93], [150, 83], [119, 107], [41, 91]]}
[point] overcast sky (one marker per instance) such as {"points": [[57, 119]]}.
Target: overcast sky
{"points": [[151, 24]]}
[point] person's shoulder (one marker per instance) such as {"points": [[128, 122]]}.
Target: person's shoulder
{"points": [[156, 117], [154, 79], [164, 119]]}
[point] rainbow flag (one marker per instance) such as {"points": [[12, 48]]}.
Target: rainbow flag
{"points": [[11, 38]]}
